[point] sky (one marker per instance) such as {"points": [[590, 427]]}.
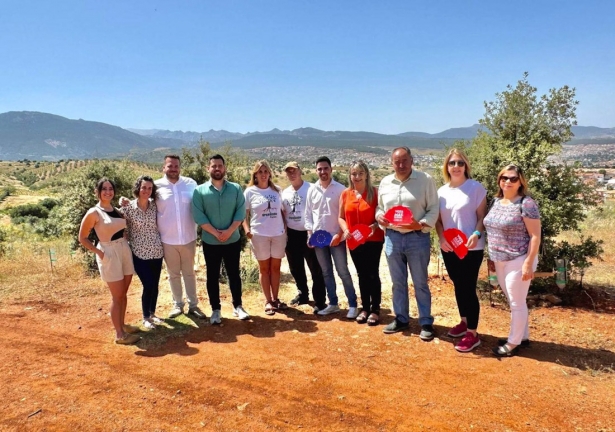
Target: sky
{"points": [[244, 66]]}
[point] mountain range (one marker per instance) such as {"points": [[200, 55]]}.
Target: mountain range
{"points": [[41, 136]]}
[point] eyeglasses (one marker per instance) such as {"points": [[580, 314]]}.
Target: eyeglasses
{"points": [[459, 163], [513, 179]]}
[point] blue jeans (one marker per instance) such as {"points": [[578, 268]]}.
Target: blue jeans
{"points": [[403, 251], [338, 253]]}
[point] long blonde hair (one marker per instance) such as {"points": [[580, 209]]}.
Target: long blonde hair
{"points": [[463, 156], [369, 187], [257, 166]]}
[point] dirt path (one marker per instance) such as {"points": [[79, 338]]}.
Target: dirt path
{"points": [[296, 371]]}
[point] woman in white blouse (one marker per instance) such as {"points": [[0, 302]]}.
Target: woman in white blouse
{"points": [[146, 245]]}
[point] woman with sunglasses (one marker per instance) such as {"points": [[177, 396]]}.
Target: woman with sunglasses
{"points": [[358, 204], [513, 230], [463, 205]]}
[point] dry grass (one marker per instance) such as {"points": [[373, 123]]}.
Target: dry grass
{"points": [[26, 273], [599, 225]]}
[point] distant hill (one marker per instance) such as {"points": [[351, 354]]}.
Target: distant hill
{"points": [[41, 136], [454, 133]]}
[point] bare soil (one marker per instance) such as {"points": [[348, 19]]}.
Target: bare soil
{"points": [[296, 371]]}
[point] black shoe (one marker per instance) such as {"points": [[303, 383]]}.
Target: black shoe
{"points": [[504, 351], [427, 332], [395, 326], [524, 343], [196, 312], [298, 300]]}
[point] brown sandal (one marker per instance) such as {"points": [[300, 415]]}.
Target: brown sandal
{"points": [[269, 309], [362, 318], [373, 319], [278, 305]]}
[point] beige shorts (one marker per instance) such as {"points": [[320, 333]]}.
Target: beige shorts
{"points": [[117, 262], [268, 247]]}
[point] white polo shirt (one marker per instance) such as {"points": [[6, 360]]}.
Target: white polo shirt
{"points": [[174, 217]]}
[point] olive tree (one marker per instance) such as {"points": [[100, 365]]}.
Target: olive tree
{"points": [[521, 128]]}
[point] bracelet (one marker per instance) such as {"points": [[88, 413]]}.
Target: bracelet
{"points": [[477, 233]]}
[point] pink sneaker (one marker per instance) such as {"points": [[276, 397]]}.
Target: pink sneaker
{"points": [[459, 330], [468, 343]]}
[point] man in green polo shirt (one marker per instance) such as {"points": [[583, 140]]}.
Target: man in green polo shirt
{"points": [[218, 207]]}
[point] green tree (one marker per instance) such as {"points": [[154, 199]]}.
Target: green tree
{"points": [[521, 128], [195, 162]]}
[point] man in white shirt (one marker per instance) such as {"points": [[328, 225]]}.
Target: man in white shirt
{"points": [[322, 209], [178, 233], [297, 251]]}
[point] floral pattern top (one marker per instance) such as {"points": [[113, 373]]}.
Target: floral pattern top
{"points": [[507, 236], [143, 234]]}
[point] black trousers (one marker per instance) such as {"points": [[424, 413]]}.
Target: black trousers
{"points": [[297, 251], [149, 274], [464, 274], [366, 258], [214, 255]]}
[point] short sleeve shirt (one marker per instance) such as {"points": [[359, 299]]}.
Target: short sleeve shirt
{"points": [[143, 234], [506, 232], [458, 207], [294, 206], [265, 207]]}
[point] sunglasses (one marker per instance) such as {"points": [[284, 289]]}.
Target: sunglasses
{"points": [[459, 163], [513, 179]]}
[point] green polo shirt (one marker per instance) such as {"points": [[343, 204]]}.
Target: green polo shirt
{"points": [[219, 208]]}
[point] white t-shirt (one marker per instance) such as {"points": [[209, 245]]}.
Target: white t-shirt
{"points": [[458, 207], [294, 206], [265, 207]]}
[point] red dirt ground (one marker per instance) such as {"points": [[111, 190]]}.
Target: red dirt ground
{"points": [[296, 371]]}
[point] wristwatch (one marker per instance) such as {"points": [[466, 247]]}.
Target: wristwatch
{"points": [[478, 234]]}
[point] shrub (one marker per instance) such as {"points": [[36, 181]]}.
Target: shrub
{"points": [[28, 210]]}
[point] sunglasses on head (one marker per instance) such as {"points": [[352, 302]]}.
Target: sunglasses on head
{"points": [[459, 163], [513, 179]]}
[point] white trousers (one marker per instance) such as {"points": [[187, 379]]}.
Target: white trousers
{"points": [[515, 289]]}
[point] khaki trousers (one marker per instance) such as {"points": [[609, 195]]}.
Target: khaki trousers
{"points": [[180, 262]]}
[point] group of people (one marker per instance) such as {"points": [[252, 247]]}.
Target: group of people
{"points": [[313, 224]]}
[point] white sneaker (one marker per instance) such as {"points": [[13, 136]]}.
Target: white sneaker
{"points": [[329, 310], [175, 312], [148, 324], [156, 320], [216, 317], [241, 313], [353, 312]]}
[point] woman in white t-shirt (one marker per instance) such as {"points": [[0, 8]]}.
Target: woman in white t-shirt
{"points": [[463, 206], [265, 227]]}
